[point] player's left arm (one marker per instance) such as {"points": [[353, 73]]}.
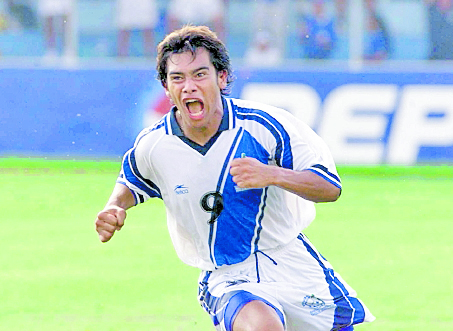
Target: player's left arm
{"points": [[250, 173]]}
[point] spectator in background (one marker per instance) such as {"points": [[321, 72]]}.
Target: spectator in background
{"points": [[440, 18], [271, 16], [263, 52], [136, 15], [317, 32], [55, 15], [199, 12], [3, 17], [23, 13], [378, 45], [3, 24], [341, 15], [3, 21]]}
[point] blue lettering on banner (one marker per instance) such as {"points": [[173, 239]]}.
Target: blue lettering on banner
{"points": [[386, 118], [364, 117]]}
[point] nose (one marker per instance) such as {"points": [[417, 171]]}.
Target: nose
{"points": [[189, 86]]}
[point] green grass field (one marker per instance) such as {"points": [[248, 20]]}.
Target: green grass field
{"points": [[389, 236]]}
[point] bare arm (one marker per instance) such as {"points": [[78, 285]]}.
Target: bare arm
{"points": [[250, 173], [112, 217]]}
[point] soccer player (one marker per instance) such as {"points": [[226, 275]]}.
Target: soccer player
{"points": [[228, 171]]}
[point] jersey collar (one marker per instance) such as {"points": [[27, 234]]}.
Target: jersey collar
{"points": [[225, 124]]}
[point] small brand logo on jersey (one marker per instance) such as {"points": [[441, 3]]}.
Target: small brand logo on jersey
{"points": [[181, 189], [241, 189], [318, 305]]}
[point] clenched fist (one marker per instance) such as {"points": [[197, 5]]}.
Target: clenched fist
{"points": [[248, 172], [108, 221]]}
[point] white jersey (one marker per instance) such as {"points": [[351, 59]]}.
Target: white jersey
{"points": [[212, 222]]}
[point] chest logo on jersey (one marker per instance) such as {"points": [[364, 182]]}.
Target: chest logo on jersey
{"points": [[181, 189]]}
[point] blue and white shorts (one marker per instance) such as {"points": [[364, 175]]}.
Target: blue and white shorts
{"points": [[295, 280]]}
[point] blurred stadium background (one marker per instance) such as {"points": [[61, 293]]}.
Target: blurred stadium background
{"points": [[83, 100]]}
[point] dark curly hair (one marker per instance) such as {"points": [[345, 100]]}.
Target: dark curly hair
{"points": [[188, 39]]}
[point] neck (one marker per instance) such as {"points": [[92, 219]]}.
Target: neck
{"points": [[200, 135]]}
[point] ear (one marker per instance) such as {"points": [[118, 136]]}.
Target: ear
{"points": [[168, 96], [222, 79]]}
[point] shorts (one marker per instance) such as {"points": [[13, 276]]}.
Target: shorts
{"points": [[294, 279]]}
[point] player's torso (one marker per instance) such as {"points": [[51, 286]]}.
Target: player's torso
{"points": [[205, 209]]}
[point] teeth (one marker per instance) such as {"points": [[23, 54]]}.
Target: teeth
{"points": [[195, 106]]}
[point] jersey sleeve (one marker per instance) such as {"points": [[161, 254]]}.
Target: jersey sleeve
{"points": [[309, 151], [136, 173]]}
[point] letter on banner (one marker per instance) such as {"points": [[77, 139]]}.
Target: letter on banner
{"points": [[413, 127], [354, 122], [301, 100]]}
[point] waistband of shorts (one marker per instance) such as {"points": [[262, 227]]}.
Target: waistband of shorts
{"points": [[251, 260]]}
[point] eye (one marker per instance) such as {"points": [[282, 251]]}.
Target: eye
{"points": [[175, 78], [201, 74]]}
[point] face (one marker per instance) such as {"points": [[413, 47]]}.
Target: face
{"points": [[194, 87]]}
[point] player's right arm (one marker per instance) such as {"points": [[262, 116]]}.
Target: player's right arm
{"points": [[112, 217]]}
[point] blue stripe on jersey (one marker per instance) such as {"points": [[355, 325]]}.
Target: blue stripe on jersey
{"points": [[236, 232], [283, 153], [167, 122], [233, 118], [223, 173], [225, 164], [348, 309], [156, 126], [133, 175], [260, 227], [326, 174], [137, 197], [159, 124], [141, 198]]}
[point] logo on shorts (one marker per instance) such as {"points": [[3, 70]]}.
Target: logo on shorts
{"points": [[318, 305], [237, 282]]}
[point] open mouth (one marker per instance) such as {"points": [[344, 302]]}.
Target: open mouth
{"points": [[195, 107]]}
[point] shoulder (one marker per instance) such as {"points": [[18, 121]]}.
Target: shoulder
{"points": [[151, 134], [273, 118], [259, 117], [248, 106], [247, 109]]}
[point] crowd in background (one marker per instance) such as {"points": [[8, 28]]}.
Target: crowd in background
{"points": [[318, 27]]}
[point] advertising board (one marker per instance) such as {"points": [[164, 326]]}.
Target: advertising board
{"points": [[365, 117]]}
